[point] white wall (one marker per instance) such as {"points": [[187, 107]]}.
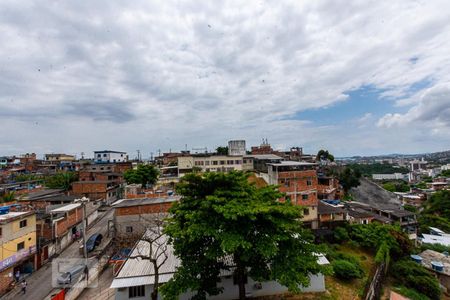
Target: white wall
{"points": [[231, 291]]}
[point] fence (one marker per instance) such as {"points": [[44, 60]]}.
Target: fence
{"points": [[374, 289]]}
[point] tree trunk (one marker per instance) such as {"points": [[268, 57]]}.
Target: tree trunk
{"points": [[155, 285], [241, 280]]}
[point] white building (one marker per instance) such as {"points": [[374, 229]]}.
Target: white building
{"points": [[236, 148], [136, 278], [395, 176], [209, 163], [108, 156]]}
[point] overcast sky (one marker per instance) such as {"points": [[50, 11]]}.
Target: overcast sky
{"points": [[354, 77]]}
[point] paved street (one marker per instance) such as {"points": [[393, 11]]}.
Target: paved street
{"points": [[40, 282]]}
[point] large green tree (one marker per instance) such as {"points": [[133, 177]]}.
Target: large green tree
{"points": [[223, 222], [349, 178], [222, 150], [143, 174], [324, 155], [436, 212], [61, 180]]}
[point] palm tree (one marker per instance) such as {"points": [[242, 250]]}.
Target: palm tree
{"points": [[8, 197]]}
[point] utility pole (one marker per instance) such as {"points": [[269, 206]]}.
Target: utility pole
{"points": [[83, 201]]}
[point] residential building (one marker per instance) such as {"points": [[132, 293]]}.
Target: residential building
{"points": [[327, 187], [236, 148], [259, 162], [209, 163], [136, 278], [133, 216], [298, 180], [330, 215], [395, 176], [59, 157], [18, 245], [108, 156]]}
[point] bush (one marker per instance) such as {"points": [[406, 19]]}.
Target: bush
{"points": [[415, 276], [347, 270], [341, 235], [410, 293]]}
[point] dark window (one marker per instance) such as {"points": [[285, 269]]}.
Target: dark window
{"points": [[23, 224], [309, 181], [214, 162], [304, 197], [20, 246], [129, 229], [306, 211], [136, 291], [222, 162], [0, 232], [104, 155]]}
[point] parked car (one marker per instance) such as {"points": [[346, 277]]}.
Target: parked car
{"points": [[70, 275], [93, 241]]}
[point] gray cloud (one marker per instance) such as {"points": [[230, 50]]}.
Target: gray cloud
{"points": [[185, 72]]}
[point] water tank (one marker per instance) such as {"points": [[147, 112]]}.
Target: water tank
{"points": [[416, 258], [4, 210], [236, 148], [437, 266]]}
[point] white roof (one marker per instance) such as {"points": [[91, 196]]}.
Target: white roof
{"points": [[293, 163], [65, 208], [138, 271], [435, 239], [12, 214], [437, 230]]}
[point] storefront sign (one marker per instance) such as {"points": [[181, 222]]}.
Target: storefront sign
{"points": [[10, 261]]}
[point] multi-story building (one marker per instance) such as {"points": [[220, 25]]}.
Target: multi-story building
{"points": [[209, 163], [108, 156], [298, 180], [236, 148], [59, 157], [18, 245]]}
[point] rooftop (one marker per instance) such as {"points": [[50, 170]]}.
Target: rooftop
{"points": [[324, 208], [429, 256], [289, 163], [65, 208], [13, 215], [109, 151], [435, 239], [144, 201], [264, 156]]}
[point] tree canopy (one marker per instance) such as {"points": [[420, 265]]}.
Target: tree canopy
{"points": [[324, 155], [143, 174], [349, 178], [436, 211], [222, 150], [61, 180], [223, 222]]}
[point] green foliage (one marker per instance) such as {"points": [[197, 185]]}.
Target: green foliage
{"points": [[396, 186], [223, 219], [410, 293], [410, 208], [347, 270], [377, 168], [421, 185], [222, 150], [372, 236], [324, 155], [8, 197], [445, 173], [27, 177], [341, 235], [143, 174], [349, 178], [61, 180], [415, 276], [383, 254], [436, 212]]}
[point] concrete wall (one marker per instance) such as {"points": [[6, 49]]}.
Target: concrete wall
{"points": [[231, 290]]}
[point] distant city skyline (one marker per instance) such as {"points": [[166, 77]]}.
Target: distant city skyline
{"points": [[356, 78]]}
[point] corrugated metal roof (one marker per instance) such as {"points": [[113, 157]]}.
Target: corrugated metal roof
{"points": [[66, 208]]}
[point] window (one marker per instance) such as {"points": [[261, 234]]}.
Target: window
{"points": [[214, 162], [222, 162], [286, 183], [238, 162], [309, 181], [129, 229], [23, 224], [104, 155], [136, 291], [207, 163], [99, 155], [20, 246], [305, 211], [305, 197], [230, 162], [0, 232]]}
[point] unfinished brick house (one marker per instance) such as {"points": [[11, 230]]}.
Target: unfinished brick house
{"points": [[298, 180]]}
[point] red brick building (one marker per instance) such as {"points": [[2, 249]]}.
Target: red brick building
{"points": [[298, 180]]}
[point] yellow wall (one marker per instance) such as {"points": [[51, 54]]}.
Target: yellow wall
{"points": [[10, 248], [12, 235]]}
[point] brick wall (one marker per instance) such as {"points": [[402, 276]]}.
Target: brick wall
{"points": [[80, 187], [297, 182], [143, 209], [5, 280]]}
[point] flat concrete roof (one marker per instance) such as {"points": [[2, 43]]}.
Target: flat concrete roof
{"points": [[66, 208], [12, 215], [144, 201]]}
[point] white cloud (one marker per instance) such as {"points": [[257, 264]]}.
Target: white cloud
{"points": [[161, 74]]}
